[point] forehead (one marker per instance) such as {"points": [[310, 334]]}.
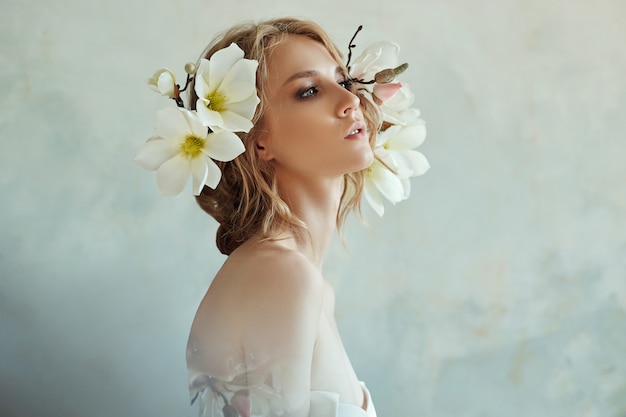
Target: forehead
{"points": [[296, 53]]}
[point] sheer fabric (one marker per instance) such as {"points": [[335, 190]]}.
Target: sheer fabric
{"points": [[216, 398], [263, 334], [267, 376]]}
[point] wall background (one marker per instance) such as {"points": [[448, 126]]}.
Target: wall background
{"points": [[498, 289]]}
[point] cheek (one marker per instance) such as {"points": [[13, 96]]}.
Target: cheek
{"points": [[299, 129], [366, 157]]}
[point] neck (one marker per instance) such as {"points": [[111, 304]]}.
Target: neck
{"points": [[315, 203]]}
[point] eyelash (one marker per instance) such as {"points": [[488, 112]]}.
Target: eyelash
{"points": [[347, 84], [312, 90], [308, 92]]}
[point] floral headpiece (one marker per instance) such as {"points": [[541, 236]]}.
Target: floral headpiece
{"points": [[402, 130], [187, 141]]}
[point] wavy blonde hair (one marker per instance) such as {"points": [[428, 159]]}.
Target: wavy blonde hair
{"points": [[246, 202]]}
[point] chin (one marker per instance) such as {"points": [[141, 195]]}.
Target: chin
{"points": [[365, 159]]}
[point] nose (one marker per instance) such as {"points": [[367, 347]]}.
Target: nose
{"points": [[347, 103]]}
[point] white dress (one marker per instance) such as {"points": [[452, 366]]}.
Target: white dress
{"points": [[326, 404], [217, 399]]}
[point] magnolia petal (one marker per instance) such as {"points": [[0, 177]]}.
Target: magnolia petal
{"points": [[240, 82], [385, 136], [155, 152], [366, 60], [380, 149], [199, 173], [381, 55], [384, 92], [410, 117], [196, 127], [163, 82], [361, 64], [233, 122], [416, 161], [223, 146], [407, 137], [381, 139], [402, 118], [194, 124], [214, 174], [209, 118], [172, 124], [402, 100], [245, 108], [391, 116], [404, 171], [373, 197], [389, 185], [389, 53], [396, 162], [220, 64], [166, 84], [201, 86], [387, 158], [173, 175]]}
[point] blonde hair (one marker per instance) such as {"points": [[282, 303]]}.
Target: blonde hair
{"points": [[246, 201]]}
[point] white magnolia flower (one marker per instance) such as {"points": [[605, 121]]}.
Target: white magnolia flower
{"points": [[226, 89], [395, 98], [396, 148], [163, 82], [182, 147], [381, 182], [396, 161], [396, 158]]}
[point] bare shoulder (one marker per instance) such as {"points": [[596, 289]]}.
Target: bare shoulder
{"points": [[269, 276], [266, 300], [269, 263], [261, 279]]}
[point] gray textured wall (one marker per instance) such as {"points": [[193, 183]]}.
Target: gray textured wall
{"points": [[498, 289]]}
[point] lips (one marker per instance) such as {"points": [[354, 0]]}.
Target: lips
{"points": [[356, 131]]}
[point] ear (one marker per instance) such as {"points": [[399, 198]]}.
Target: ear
{"points": [[263, 150]]}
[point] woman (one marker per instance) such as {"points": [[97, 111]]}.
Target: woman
{"points": [[264, 340]]}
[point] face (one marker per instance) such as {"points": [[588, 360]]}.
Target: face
{"points": [[313, 126]]}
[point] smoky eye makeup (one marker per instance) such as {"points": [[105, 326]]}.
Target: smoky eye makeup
{"points": [[346, 83], [344, 80], [311, 89], [307, 92]]}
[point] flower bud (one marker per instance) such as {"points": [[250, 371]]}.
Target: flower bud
{"points": [[164, 83], [384, 92], [388, 75], [190, 68]]}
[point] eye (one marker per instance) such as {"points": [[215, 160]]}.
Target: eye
{"points": [[308, 92], [347, 84]]}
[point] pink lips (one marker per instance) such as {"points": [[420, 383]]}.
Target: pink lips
{"points": [[356, 131]]}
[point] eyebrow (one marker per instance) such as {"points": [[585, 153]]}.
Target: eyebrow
{"points": [[307, 74]]}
